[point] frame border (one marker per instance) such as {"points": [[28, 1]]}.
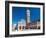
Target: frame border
{"points": [[7, 18]]}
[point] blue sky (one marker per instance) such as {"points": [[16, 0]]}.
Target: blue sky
{"points": [[19, 13]]}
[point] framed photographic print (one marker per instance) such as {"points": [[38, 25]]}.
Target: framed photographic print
{"points": [[24, 18]]}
